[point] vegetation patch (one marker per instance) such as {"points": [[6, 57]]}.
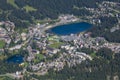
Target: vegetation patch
{"points": [[38, 58], [2, 44], [2, 57], [55, 45], [5, 78], [29, 8], [93, 54], [12, 2]]}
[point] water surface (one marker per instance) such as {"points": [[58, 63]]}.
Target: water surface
{"points": [[15, 59], [73, 28]]}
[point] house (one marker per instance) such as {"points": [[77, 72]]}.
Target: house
{"points": [[35, 51], [1, 23], [24, 36]]}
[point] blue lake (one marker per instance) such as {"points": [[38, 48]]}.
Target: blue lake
{"points": [[73, 28], [15, 59]]}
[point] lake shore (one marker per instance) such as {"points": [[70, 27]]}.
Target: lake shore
{"points": [[65, 22]]}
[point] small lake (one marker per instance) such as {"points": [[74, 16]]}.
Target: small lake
{"points": [[68, 29], [15, 59]]}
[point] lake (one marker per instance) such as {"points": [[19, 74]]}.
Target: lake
{"points": [[15, 59], [68, 29]]}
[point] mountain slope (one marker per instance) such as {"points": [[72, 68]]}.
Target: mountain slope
{"points": [[22, 12]]}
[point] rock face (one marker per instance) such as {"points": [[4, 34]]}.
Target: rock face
{"points": [[116, 77]]}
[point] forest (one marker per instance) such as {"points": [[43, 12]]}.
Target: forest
{"points": [[103, 30]]}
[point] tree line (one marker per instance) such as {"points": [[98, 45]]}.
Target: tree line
{"points": [[103, 29]]}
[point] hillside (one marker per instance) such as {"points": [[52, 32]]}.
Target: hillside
{"points": [[26, 12], [23, 12]]}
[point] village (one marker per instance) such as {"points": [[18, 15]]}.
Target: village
{"points": [[61, 50]]}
